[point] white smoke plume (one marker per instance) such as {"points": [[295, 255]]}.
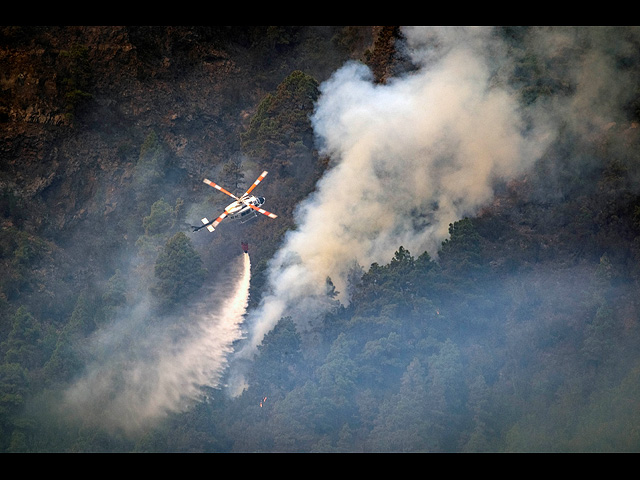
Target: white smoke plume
{"points": [[409, 157], [134, 387]]}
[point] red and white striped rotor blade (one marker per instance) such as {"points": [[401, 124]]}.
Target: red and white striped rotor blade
{"points": [[218, 187], [255, 184], [263, 211], [213, 225]]}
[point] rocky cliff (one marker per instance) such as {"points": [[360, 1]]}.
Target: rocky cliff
{"points": [[76, 102]]}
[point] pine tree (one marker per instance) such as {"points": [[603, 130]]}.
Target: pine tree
{"points": [[22, 345], [178, 270]]}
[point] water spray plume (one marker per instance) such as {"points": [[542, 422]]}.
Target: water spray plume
{"points": [[134, 389]]}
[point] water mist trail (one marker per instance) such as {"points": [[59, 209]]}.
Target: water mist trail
{"points": [[219, 331], [134, 389]]}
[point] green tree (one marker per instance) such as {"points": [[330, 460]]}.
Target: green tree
{"points": [[320, 406], [232, 176], [161, 218], [81, 322], [114, 294], [446, 395], [280, 130], [403, 423], [381, 359], [65, 360], [23, 344], [14, 387], [336, 377], [280, 355], [77, 78], [478, 405], [386, 287], [149, 171], [178, 271], [461, 254]]}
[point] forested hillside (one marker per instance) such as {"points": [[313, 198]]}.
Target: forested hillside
{"points": [[518, 329]]}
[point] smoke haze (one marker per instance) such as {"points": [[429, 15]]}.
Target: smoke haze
{"points": [[408, 158], [413, 155], [163, 372]]}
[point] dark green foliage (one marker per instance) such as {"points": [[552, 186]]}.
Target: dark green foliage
{"points": [[81, 322], [280, 130], [19, 251], [76, 79], [178, 270], [14, 389], [13, 386], [150, 169], [11, 206], [23, 343], [162, 218], [114, 294], [20, 248], [461, 251], [151, 161], [232, 175], [282, 351]]}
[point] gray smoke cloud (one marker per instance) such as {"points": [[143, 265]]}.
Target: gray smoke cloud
{"points": [[413, 155], [409, 157]]}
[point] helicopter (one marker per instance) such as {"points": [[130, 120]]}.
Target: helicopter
{"points": [[240, 208]]}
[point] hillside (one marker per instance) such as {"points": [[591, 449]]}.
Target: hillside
{"points": [[450, 272]]}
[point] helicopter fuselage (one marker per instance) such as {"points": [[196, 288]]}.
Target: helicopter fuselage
{"points": [[240, 208]]}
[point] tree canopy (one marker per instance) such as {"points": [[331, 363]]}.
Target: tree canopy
{"points": [[178, 270]]}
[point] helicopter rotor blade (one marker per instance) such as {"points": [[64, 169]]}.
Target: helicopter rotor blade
{"points": [[243, 200], [255, 184], [218, 187], [216, 222], [211, 226], [262, 211]]}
